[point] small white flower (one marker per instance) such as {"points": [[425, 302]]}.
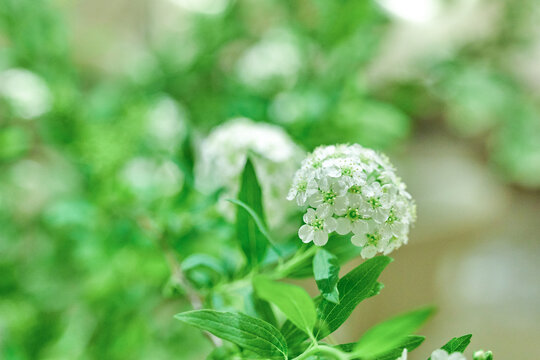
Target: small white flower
{"points": [[403, 355], [302, 189], [441, 354], [360, 190], [318, 223]]}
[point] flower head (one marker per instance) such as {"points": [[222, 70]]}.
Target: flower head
{"points": [[222, 156], [359, 190]]}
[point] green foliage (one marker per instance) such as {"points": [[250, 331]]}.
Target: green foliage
{"points": [[326, 273], [390, 333], [292, 300], [245, 331], [114, 252], [353, 288], [252, 240], [410, 343]]}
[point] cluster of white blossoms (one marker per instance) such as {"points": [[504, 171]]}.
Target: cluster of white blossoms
{"points": [[438, 354], [222, 157], [441, 354], [348, 188]]}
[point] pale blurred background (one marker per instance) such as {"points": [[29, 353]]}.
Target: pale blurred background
{"points": [[450, 90]]}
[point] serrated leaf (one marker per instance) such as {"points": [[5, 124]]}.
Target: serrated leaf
{"points": [[389, 334], [457, 344], [354, 287], [326, 273], [252, 241], [245, 331], [292, 300], [411, 342]]}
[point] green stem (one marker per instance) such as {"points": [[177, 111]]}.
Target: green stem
{"points": [[323, 349], [284, 270]]}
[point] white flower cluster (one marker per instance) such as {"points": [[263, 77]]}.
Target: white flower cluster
{"points": [[26, 92], [348, 188], [222, 156], [441, 354], [438, 354]]}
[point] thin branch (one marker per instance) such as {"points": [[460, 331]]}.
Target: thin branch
{"points": [[177, 275]]}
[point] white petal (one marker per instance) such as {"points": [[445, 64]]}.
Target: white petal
{"points": [[324, 211], [439, 354], [359, 240], [320, 237], [368, 252], [343, 226], [340, 204], [309, 216], [380, 215], [292, 194], [399, 229], [305, 233], [330, 224], [315, 199], [360, 227]]}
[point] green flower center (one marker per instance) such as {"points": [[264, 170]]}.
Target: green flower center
{"points": [[346, 172], [373, 239], [353, 214], [329, 197], [318, 224], [391, 217], [355, 189], [374, 202], [302, 186]]}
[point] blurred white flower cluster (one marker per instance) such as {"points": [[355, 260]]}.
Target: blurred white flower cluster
{"points": [[26, 92], [275, 59], [166, 124], [348, 188], [151, 179], [223, 154]]}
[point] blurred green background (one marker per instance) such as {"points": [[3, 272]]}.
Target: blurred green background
{"points": [[97, 97]]}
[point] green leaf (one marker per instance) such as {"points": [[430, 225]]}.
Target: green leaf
{"points": [[457, 344], [326, 273], [294, 336], [389, 334], [245, 331], [258, 221], [292, 300], [411, 342], [260, 308], [354, 287], [252, 241]]}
